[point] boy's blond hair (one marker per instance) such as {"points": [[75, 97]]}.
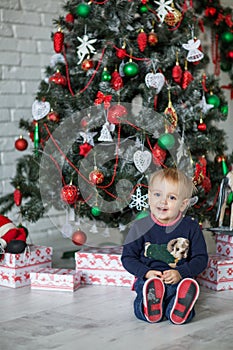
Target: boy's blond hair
{"points": [[176, 176]]}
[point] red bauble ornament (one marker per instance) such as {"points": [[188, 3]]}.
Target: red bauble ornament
{"points": [[17, 196], [87, 64], [79, 237], [53, 117], [117, 81], [121, 53], [210, 11], [159, 155], [230, 55], [115, 113], [58, 40], [69, 194], [21, 144], [96, 177], [69, 18], [58, 79], [152, 38], [202, 126], [84, 149], [142, 40]]}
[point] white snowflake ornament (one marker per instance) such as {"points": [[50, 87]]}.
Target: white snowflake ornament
{"points": [[164, 8], [139, 201]]}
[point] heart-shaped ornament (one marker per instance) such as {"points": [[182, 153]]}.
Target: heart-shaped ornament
{"points": [[155, 81], [142, 160], [40, 109]]}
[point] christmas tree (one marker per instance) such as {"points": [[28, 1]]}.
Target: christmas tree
{"points": [[127, 92]]}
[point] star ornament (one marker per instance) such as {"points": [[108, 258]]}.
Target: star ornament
{"points": [[84, 149], [139, 201], [88, 137], [205, 107]]}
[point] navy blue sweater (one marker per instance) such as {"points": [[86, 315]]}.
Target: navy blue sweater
{"points": [[137, 260]]}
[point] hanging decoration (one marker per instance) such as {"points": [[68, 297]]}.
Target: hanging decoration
{"points": [[18, 196], [201, 126], [106, 76], [96, 176], [174, 17], [142, 160], [171, 115], [40, 109], [139, 201], [213, 100], [116, 81], [105, 134], [155, 81], [164, 8], [58, 78], [159, 155], [152, 38], [69, 194], [101, 98], [187, 77], [85, 48], [116, 112], [142, 40], [79, 237], [205, 107], [21, 143], [58, 41], [194, 54], [177, 72], [83, 10]]}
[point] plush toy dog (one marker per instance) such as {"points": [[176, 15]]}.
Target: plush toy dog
{"points": [[171, 253], [12, 238]]}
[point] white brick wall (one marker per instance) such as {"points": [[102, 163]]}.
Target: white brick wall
{"points": [[25, 49]]}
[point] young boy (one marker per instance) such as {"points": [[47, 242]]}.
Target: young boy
{"points": [[166, 251]]}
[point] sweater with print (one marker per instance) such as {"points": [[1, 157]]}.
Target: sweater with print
{"points": [[150, 245]]}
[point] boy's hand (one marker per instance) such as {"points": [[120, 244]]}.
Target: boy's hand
{"points": [[171, 277], [153, 273]]}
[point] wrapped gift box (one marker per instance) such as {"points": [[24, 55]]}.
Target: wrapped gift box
{"points": [[103, 266], [56, 279], [219, 273], [224, 245], [15, 268]]}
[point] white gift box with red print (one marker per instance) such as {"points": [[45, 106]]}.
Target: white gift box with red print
{"points": [[103, 266], [15, 268], [56, 279], [224, 245], [219, 273]]}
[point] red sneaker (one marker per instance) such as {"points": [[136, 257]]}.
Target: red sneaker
{"points": [[153, 292], [186, 296]]}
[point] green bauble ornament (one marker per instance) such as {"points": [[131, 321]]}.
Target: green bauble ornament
{"points": [[227, 37], [106, 76], [130, 69], [143, 9], [83, 10], [142, 214], [95, 211], [213, 100], [224, 109], [166, 141]]}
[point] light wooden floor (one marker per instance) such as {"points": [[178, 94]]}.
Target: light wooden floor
{"points": [[101, 317]]}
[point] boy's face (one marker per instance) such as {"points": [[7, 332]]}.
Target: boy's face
{"points": [[166, 200]]}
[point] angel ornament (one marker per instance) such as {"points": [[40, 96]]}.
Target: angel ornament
{"points": [[85, 48], [194, 54]]}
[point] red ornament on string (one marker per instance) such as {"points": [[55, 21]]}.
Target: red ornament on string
{"points": [[230, 54], [159, 155], [117, 81], [58, 79], [58, 41], [186, 78], [17, 196], [121, 53], [142, 40], [79, 237], [96, 176], [152, 38], [202, 126], [115, 113], [69, 18], [53, 117], [21, 144], [87, 64], [84, 149], [69, 194], [210, 11]]}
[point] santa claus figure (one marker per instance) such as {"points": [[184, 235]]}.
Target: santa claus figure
{"points": [[12, 238]]}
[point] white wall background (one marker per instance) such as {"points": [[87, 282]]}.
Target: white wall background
{"points": [[25, 49]]}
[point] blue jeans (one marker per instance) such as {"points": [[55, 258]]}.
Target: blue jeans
{"points": [[168, 301]]}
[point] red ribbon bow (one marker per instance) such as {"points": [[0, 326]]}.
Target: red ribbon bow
{"points": [[101, 98], [226, 18]]}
